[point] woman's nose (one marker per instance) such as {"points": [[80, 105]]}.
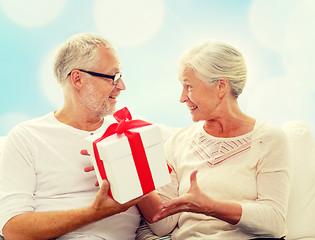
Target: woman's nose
{"points": [[183, 97]]}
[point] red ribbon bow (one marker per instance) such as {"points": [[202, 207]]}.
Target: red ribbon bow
{"points": [[125, 123]]}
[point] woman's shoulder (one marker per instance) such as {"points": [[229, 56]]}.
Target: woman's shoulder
{"points": [[186, 133], [267, 131]]}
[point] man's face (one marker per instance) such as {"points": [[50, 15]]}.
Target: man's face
{"points": [[98, 93]]}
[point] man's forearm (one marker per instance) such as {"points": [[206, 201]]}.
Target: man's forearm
{"points": [[47, 225]]}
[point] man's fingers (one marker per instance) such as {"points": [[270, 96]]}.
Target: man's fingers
{"points": [[89, 169], [84, 152], [104, 188]]}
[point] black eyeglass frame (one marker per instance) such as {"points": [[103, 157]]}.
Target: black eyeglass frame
{"points": [[115, 78]]}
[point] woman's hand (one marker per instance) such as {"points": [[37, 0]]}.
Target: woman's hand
{"points": [[193, 201], [197, 201]]}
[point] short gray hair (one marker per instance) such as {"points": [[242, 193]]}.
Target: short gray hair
{"points": [[78, 52], [214, 60]]}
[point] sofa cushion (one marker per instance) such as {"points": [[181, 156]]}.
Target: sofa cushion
{"points": [[300, 219], [2, 139]]}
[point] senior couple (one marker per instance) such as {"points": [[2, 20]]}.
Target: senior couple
{"points": [[230, 177]]}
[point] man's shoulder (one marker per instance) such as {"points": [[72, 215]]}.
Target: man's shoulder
{"points": [[34, 123]]}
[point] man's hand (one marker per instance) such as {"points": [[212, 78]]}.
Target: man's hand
{"points": [[105, 206], [89, 168], [103, 203], [48, 225]]}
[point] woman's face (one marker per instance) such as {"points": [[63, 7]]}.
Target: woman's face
{"points": [[200, 98]]}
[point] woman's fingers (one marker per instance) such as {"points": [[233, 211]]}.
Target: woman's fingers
{"points": [[173, 202], [193, 180], [180, 204], [166, 213]]}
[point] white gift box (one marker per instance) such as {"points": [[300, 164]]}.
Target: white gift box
{"points": [[116, 156]]}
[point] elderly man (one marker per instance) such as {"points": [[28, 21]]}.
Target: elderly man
{"points": [[45, 193]]}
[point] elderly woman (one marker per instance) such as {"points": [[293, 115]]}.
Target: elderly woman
{"points": [[230, 171]]}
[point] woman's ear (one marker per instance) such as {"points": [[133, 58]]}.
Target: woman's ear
{"points": [[75, 78], [223, 85]]}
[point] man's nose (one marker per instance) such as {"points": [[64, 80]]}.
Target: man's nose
{"points": [[121, 85]]}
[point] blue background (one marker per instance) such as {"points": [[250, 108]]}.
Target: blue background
{"points": [[275, 36]]}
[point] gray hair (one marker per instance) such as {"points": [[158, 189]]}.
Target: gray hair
{"points": [[78, 52], [214, 60]]}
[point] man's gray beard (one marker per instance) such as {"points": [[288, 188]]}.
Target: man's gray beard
{"points": [[109, 111], [93, 102]]}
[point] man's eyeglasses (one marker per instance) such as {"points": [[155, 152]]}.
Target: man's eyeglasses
{"points": [[115, 78]]}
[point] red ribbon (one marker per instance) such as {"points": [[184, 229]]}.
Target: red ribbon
{"points": [[125, 123]]}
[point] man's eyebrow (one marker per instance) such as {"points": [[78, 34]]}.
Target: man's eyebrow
{"points": [[118, 69], [115, 70]]}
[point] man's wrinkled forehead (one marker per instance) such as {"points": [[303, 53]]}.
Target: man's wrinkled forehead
{"points": [[109, 57]]}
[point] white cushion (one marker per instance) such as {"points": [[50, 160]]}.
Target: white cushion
{"points": [[2, 139], [301, 213]]}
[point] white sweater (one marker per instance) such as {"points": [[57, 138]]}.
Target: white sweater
{"points": [[41, 170], [252, 170]]}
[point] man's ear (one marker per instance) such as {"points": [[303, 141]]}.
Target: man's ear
{"points": [[75, 79], [223, 85]]}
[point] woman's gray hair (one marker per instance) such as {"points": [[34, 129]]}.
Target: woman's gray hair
{"points": [[214, 60], [78, 52]]}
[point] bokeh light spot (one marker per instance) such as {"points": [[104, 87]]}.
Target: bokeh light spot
{"points": [[129, 22], [32, 13], [51, 89], [268, 21]]}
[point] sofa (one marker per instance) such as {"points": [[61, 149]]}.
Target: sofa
{"points": [[301, 212]]}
